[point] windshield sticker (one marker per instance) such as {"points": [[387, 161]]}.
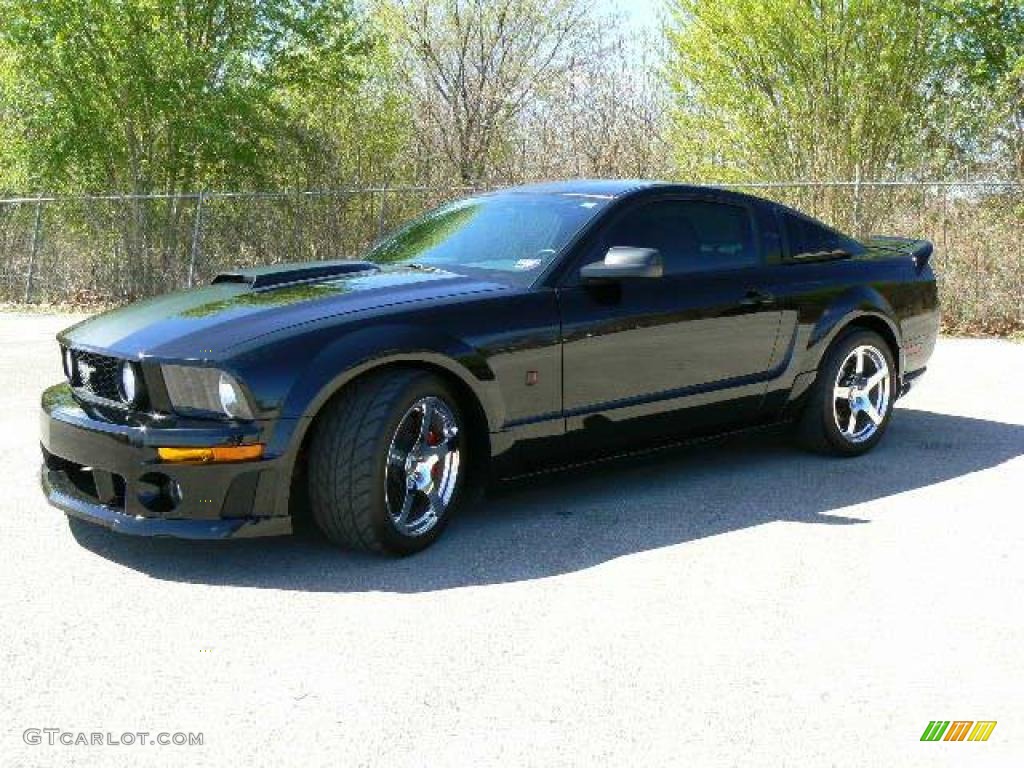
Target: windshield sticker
{"points": [[524, 264]]}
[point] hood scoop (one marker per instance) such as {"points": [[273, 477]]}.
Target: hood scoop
{"points": [[285, 274]]}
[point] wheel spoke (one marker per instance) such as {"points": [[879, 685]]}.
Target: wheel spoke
{"points": [[425, 421], [872, 411], [860, 361], [437, 452], [842, 393], [436, 505], [851, 426], [879, 376], [403, 515]]}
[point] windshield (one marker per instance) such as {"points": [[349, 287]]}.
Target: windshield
{"points": [[510, 237]]}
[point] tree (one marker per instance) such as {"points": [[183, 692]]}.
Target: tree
{"points": [[798, 89], [13, 168], [982, 90], [473, 66], [607, 119], [352, 134], [166, 95]]}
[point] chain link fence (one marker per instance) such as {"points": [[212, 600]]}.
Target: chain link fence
{"points": [[113, 249], [977, 229]]}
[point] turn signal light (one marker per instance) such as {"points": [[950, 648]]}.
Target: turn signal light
{"points": [[212, 455]]}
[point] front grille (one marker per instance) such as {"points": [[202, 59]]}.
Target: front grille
{"points": [[96, 376]]}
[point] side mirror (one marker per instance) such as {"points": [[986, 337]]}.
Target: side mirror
{"points": [[624, 263]]}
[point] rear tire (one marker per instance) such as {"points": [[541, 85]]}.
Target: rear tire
{"points": [[388, 438], [850, 404]]}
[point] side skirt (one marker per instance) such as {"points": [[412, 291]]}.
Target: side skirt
{"points": [[569, 464]]}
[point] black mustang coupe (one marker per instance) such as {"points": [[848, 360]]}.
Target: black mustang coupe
{"points": [[489, 337]]}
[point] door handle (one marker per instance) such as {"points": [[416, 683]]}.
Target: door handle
{"points": [[756, 298]]}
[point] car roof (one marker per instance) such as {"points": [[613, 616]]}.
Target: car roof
{"points": [[612, 188], [597, 187]]}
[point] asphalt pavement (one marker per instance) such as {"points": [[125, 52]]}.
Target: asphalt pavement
{"points": [[733, 603]]}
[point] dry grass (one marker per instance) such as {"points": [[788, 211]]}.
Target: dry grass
{"points": [[93, 254], [978, 233]]}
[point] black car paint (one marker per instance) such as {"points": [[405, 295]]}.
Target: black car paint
{"points": [[557, 365]]}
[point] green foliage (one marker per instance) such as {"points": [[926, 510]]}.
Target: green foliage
{"points": [[798, 89], [164, 95], [182, 95], [356, 131], [982, 91], [13, 152]]}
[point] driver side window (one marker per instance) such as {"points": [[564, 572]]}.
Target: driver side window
{"points": [[691, 235]]}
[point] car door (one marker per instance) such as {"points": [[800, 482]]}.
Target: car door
{"points": [[700, 335]]}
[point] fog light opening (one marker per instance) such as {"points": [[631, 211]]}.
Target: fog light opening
{"points": [[159, 493]]}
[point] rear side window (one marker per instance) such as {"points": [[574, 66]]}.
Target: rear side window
{"points": [[691, 235], [806, 236]]}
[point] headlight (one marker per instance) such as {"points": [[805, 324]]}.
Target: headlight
{"points": [[129, 383], [205, 392], [232, 399]]}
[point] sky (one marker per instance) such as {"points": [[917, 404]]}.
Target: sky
{"points": [[641, 13]]}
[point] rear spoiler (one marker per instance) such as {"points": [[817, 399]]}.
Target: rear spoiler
{"points": [[283, 274], [922, 253], [918, 250]]}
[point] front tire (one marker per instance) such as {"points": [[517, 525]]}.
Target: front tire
{"points": [[850, 405], [386, 463]]}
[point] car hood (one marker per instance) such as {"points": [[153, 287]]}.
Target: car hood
{"points": [[206, 322]]}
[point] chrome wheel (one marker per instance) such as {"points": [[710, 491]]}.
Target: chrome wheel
{"points": [[860, 396], [422, 466]]}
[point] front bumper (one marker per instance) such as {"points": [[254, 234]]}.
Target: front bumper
{"points": [[107, 471]]}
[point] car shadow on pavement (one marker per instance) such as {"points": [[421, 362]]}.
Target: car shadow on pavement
{"points": [[574, 519]]}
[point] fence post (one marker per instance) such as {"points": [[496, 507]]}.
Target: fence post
{"points": [[856, 203], [382, 213], [945, 225], [35, 248], [297, 227], [197, 231]]}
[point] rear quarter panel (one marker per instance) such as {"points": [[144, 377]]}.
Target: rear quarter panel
{"points": [[818, 301]]}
